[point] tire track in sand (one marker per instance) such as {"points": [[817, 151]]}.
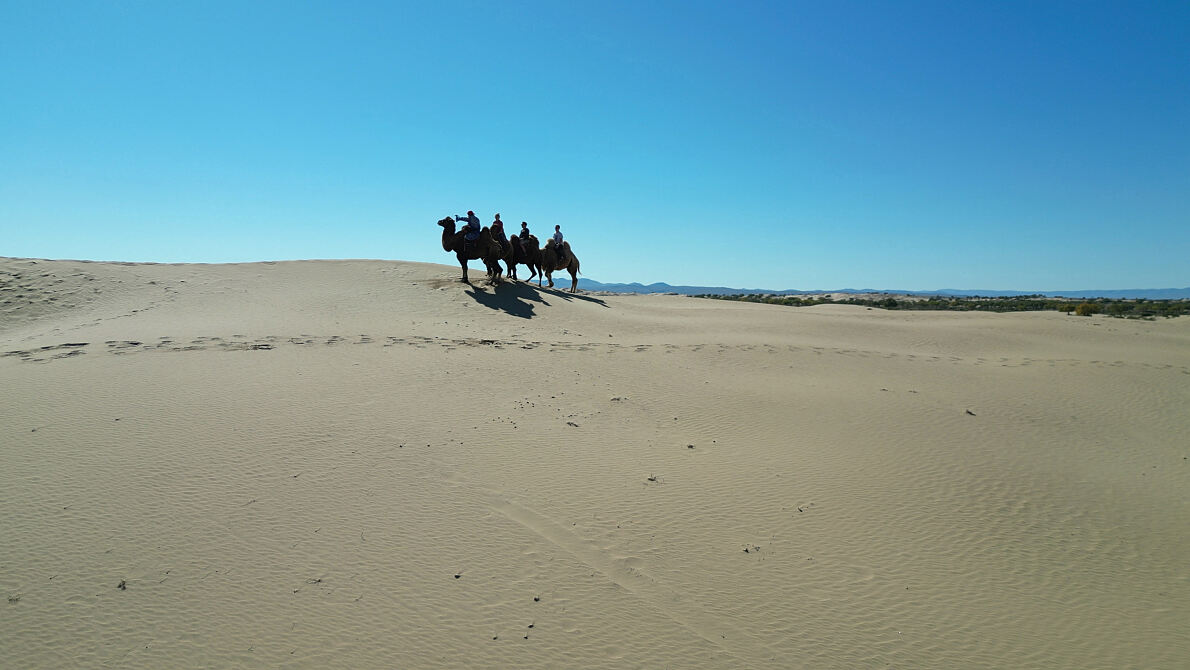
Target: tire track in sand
{"points": [[624, 573]]}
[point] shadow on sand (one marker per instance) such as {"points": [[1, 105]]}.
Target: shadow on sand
{"points": [[516, 298]]}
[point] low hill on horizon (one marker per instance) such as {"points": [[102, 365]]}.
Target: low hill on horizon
{"points": [[682, 289], [662, 287]]}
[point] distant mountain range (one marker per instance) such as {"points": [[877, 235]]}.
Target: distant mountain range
{"points": [[661, 287]]}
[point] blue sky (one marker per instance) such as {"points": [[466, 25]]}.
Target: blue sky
{"points": [[913, 145]]}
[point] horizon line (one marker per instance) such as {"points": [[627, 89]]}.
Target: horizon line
{"points": [[622, 283]]}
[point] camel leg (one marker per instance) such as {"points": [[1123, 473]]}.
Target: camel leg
{"points": [[573, 281], [463, 264]]}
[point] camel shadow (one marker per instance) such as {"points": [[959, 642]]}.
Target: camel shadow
{"points": [[512, 299], [567, 295], [516, 298]]}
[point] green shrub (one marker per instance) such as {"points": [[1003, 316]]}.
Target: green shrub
{"points": [[1086, 309]]}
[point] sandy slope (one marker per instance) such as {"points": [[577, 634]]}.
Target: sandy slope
{"points": [[368, 464]]}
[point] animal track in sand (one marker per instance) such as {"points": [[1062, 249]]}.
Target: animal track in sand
{"points": [[64, 350], [241, 342]]}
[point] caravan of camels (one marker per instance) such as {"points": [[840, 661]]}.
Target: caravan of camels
{"points": [[519, 250]]}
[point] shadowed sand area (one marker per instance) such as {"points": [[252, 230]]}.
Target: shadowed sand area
{"points": [[369, 464]]}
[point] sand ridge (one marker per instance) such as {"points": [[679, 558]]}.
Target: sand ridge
{"points": [[368, 464]]}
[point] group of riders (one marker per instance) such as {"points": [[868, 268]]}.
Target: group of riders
{"points": [[472, 229]]}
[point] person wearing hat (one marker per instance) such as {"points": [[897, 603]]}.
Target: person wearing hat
{"points": [[472, 225], [524, 230]]}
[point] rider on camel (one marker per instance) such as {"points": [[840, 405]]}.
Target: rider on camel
{"points": [[498, 231], [558, 248], [472, 227]]}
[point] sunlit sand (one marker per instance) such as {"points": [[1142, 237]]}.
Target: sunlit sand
{"points": [[370, 464]]}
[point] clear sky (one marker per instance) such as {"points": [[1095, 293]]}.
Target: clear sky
{"points": [[880, 144]]}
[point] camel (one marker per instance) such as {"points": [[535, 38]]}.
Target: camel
{"points": [[551, 263], [485, 248], [525, 252]]}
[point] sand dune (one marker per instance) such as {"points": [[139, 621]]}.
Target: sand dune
{"points": [[368, 464]]}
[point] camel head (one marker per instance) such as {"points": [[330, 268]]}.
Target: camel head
{"points": [[449, 237]]}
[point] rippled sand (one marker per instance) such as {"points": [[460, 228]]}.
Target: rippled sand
{"points": [[368, 464]]}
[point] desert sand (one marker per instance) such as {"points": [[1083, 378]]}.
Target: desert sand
{"points": [[367, 464]]}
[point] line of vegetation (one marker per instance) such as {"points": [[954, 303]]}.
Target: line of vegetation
{"points": [[1119, 308]]}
